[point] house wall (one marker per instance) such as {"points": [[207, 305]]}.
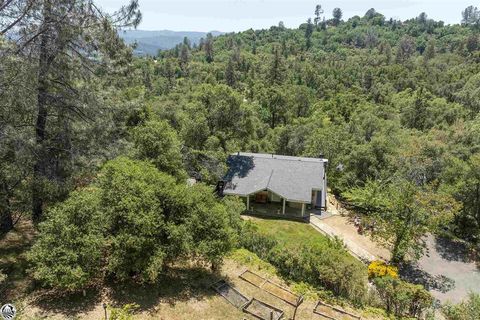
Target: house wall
{"points": [[297, 205], [274, 198]]}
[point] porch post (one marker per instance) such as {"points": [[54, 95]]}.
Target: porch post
{"points": [[248, 202], [283, 205], [303, 209]]}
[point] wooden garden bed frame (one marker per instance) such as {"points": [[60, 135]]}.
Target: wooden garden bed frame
{"points": [[264, 282], [219, 284], [273, 311], [353, 316]]}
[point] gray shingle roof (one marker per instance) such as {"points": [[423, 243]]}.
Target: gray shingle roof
{"points": [[292, 178]]}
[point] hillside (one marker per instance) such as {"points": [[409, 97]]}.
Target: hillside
{"points": [[98, 143], [150, 42]]}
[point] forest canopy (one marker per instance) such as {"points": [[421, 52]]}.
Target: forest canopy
{"points": [[97, 144]]}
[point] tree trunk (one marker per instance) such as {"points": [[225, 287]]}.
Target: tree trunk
{"points": [[6, 222], [397, 256], [273, 120], [477, 205], [39, 167]]}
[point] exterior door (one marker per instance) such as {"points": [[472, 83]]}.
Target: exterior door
{"points": [[318, 202]]}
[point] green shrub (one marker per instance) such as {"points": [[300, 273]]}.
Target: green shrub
{"points": [[466, 310], [68, 251], [130, 225], [323, 265], [250, 259], [123, 313], [158, 142], [255, 241], [403, 298]]}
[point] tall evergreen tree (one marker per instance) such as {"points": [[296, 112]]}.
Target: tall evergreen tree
{"points": [[471, 17], [186, 42], [337, 16], [230, 73], [308, 34], [184, 58], [276, 67], [209, 48], [66, 53], [318, 15], [430, 50]]}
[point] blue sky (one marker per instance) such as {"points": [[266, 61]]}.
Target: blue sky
{"points": [[238, 15]]}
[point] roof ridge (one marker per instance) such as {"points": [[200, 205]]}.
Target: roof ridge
{"points": [[280, 157], [269, 178]]}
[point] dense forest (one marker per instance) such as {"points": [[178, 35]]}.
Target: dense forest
{"points": [[90, 135]]}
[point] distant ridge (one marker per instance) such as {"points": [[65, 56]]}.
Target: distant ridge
{"points": [[149, 42]]}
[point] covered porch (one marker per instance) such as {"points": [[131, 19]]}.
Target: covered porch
{"points": [[267, 203]]}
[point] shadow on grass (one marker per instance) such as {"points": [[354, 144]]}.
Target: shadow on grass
{"points": [[412, 273], [70, 304], [177, 284], [13, 247]]}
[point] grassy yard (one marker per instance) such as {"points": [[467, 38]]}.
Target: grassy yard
{"points": [[290, 233]]}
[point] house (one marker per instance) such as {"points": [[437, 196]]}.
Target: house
{"points": [[277, 184]]}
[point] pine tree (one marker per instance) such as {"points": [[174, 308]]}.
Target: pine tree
{"points": [[308, 33], [186, 42], [430, 50], [254, 43], [337, 16], [209, 48], [318, 14], [471, 17], [230, 73], [184, 58], [276, 67], [65, 55]]}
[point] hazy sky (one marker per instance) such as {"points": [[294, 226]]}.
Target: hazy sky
{"points": [[238, 15]]}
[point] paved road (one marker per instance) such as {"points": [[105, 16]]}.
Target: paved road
{"points": [[447, 271]]}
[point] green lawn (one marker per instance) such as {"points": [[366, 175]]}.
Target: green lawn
{"points": [[290, 232]]}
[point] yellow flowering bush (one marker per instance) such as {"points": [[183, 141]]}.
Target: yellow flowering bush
{"points": [[379, 268]]}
